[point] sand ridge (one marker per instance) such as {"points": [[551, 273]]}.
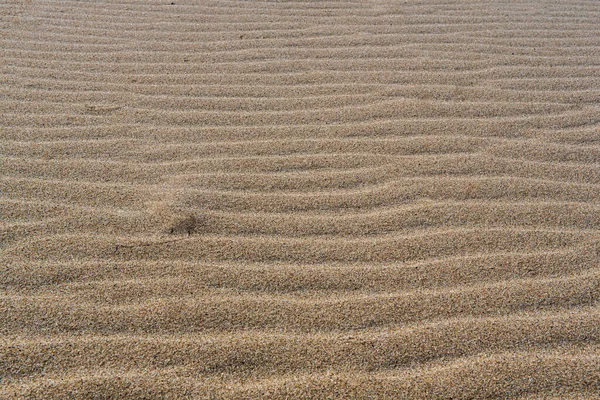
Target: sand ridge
{"points": [[299, 199]]}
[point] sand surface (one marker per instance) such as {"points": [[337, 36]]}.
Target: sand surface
{"points": [[299, 199]]}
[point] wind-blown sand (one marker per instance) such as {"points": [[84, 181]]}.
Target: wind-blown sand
{"points": [[303, 199]]}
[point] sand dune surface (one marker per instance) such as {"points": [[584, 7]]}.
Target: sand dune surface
{"points": [[299, 199]]}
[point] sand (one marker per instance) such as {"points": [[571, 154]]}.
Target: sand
{"points": [[299, 199]]}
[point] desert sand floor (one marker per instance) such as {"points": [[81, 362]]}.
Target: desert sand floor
{"points": [[299, 199]]}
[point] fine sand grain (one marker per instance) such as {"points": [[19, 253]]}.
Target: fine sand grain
{"points": [[299, 199]]}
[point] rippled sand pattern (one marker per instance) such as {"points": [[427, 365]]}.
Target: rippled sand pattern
{"points": [[299, 199]]}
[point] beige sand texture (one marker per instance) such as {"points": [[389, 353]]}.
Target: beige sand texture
{"points": [[222, 199]]}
